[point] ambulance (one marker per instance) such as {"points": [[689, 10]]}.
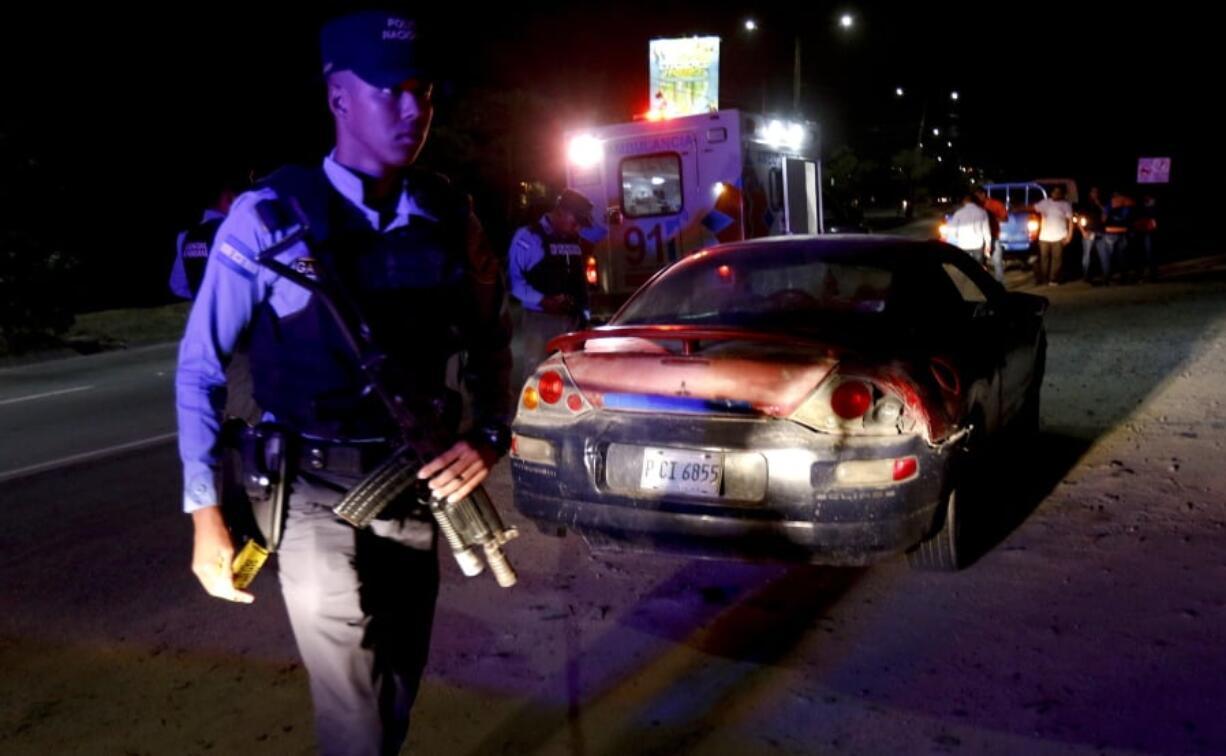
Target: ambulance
{"points": [[666, 187]]}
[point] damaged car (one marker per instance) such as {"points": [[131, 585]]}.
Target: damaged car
{"points": [[824, 399]]}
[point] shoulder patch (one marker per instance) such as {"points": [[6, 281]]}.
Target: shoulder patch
{"points": [[196, 249], [236, 256]]}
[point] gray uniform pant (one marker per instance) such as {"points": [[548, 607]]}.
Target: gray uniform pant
{"points": [[538, 329], [361, 604]]}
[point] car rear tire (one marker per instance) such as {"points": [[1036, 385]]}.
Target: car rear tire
{"points": [[947, 548], [943, 550]]}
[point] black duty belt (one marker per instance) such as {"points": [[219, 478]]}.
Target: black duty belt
{"points": [[352, 458]]}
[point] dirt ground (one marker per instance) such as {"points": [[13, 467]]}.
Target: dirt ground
{"points": [[1093, 622]]}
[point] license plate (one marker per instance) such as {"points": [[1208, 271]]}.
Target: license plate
{"points": [[679, 471]]}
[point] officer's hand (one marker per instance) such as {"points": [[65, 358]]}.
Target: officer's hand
{"points": [[212, 555], [458, 471], [558, 304]]}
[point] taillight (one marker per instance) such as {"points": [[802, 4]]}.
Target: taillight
{"points": [[875, 472], [1032, 227], [943, 230], [905, 468], [851, 400], [855, 405], [590, 272], [551, 393], [550, 387], [538, 450]]}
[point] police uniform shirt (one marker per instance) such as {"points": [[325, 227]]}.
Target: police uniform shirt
{"points": [[179, 283], [234, 285], [527, 250]]}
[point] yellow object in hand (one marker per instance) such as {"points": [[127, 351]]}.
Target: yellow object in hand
{"points": [[247, 563]]}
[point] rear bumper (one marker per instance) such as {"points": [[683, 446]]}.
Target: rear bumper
{"points": [[607, 527], [787, 507]]}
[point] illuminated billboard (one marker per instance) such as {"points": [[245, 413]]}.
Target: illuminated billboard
{"points": [[685, 75], [1154, 170]]}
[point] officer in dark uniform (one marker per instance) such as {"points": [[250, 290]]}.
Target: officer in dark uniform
{"points": [[191, 257], [400, 242], [547, 274], [193, 244]]}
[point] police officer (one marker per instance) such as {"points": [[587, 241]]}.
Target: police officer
{"points": [[547, 274], [193, 244], [191, 257], [400, 242]]}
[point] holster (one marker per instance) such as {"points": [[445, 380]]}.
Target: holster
{"points": [[258, 465]]}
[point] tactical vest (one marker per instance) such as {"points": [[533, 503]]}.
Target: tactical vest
{"points": [[196, 245], [409, 285], [560, 271]]}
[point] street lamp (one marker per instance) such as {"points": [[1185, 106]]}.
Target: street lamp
{"points": [[751, 33], [953, 95], [846, 22], [898, 91], [752, 26]]}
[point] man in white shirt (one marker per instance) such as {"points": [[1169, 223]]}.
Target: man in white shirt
{"points": [[1055, 230], [969, 230]]}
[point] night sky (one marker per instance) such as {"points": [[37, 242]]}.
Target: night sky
{"points": [[130, 114]]}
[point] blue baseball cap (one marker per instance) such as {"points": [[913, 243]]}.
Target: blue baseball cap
{"points": [[578, 204], [380, 47]]}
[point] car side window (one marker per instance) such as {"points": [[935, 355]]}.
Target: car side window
{"points": [[967, 289], [926, 295], [988, 286]]}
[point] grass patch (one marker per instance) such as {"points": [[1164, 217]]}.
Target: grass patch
{"points": [[111, 329]]}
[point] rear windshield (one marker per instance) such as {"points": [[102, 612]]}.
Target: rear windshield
{"points": [[763, 289]]}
